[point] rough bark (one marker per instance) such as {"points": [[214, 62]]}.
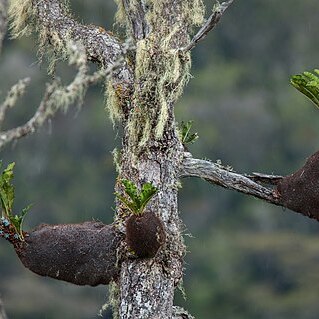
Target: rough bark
{"points": [[100, 45], [153, 153], [222, 176]]}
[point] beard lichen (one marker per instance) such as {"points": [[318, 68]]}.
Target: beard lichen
{"points": [[23, 18], [160, 76], [161, 69], [20, 13]]}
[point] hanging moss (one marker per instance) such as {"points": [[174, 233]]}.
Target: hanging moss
{"points": [[161, 70], [160, 76], [113, 102], [20, 13]]}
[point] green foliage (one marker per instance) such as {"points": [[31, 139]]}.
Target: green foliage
{"points": [[137, 199], [7, 199], [308, 84], [187, 136], [7, 189]]}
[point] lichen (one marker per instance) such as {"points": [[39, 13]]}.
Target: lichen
{"points": [[120, 16], [114, 102], [161, 69], [23, 21], [20, 13], [160, 76]]}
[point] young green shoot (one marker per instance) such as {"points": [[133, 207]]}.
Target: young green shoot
{"points": [[7, 199], [136, 200], [187, 136]]}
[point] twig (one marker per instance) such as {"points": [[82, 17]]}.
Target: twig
{"points": [[15, 92], [211, 22], [265, 178], [60, 97]]}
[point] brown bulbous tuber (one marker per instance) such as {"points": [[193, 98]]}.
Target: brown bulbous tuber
{"points": [[300, 190], [145, 234], [83, 254]]}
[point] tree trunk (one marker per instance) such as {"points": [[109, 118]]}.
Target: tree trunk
{"points": [[152, 151]]}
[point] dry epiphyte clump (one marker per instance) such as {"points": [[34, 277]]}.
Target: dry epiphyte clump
{"points": [[145, 232], [300, 190], [83, 254]]}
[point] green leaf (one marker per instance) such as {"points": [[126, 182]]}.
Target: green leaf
{"points": [[7, 199], [147, 192], [137, 200], [128, 203], [7, 189], [187, 136], [132, 191], [308, 84]]}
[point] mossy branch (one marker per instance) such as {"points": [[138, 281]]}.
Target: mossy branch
{"points": [[55, 26], [210, 24], [56, 96]]}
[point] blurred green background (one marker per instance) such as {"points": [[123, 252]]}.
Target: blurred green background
{"points": [[247, 259]]}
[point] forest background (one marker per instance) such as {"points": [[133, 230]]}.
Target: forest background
{"points": [[247, 259]]}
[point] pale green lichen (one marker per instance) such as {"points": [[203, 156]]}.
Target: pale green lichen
{"points": [[23, 21], [161, 74], [114, 102], [117, 159], [161, 69], [120, 16], [20, 13]]}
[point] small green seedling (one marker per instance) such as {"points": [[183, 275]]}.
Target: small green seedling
{"points": [[137, 200], [7, 199], [308, 84], [187, 136]]}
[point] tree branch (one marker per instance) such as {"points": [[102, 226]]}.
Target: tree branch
{"points": [[55, 26], [180, 313], [265, 178], [13, 95], [135, 15], [297, 191], [219, 175], [211, 22], [56, 96]]}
